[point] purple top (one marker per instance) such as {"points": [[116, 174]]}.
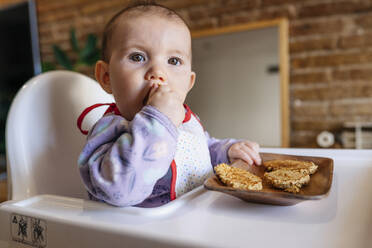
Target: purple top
{"points": [[121, 164]]}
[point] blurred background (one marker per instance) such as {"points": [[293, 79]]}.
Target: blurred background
{"points": [[330, 55]]}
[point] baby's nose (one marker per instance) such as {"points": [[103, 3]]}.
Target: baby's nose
{"points": [[156, 74], [160, 78]]}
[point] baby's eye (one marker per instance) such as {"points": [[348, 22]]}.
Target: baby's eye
{"points": [[137, 57], [174, 61]]}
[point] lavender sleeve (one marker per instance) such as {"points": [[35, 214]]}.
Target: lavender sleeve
{"points": [[218, 149], [122, 161]]}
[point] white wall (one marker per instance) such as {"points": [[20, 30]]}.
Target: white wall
{"points": [[234, 95]]}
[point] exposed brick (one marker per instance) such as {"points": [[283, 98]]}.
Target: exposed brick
{"points": [[266, 3], [198, 13], [364, 21], [332, 60], [313, 45], [107, 15], [91, 21], [204, 24], [44, 6], [218, 10], [288, 12], [319, 124], [352, 74], [303, 138], [232, 6], [318, 27], [333, 8], [310, 94], [333, 91], [46, 50], [310, 110], [239, 17], [5, 3], [56, 28], [360, 41], [47, 57], [45, 35], [100, 6], [184, 4], [58, 16], [65, 46], [310, 77], [251, 3], [351, 108], [8, 2]]}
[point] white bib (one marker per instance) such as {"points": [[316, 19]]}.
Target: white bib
{"points": [[192, 157]]}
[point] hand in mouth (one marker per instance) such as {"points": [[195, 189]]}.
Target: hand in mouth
{"points": [[145, 100], [155, 84]]}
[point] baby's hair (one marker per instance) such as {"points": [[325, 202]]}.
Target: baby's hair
{"points": [[143, 6]]}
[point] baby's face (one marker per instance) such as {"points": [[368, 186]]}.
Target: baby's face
{"points": [[148, 50]]}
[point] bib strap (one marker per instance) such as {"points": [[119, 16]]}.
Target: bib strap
{"points": [[112, 108], [188, 115]]}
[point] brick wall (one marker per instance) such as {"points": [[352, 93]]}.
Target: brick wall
{"points": [[330, 48]]}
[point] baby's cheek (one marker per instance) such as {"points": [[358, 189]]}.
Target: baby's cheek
{"points": [[182, 91]]}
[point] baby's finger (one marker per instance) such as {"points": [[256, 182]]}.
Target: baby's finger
{"points": [[153, 89], [255, 146], [253, 154], [240, 153]]}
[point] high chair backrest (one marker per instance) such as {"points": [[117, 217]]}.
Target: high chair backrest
{"points": [[42, 139]]}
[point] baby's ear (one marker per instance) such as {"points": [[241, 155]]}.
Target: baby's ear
{"points": [[192, 80], [102, 75]]}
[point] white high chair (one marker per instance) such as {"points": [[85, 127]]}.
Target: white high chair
{"points": [[42, 138], [48, 205]]}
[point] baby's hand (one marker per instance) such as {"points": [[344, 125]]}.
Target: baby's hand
{"points": [[245, 150], [168, 102]]}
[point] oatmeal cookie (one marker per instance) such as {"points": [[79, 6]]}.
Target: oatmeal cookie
{"points": [[238, 178], [289, 180], [273, 165]]}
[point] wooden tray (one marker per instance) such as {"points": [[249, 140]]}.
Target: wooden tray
{"points": [[318, 187]]}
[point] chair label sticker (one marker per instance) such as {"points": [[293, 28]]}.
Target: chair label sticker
{"points": [[28, 230]]}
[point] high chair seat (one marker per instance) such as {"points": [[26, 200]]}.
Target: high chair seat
{"points": [[42, 138]]}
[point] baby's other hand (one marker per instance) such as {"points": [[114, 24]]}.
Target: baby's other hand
{"points": [[245, 150], [168, 102]]}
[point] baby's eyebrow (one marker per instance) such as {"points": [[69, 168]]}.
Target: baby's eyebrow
{"points": [[136, 46], [180, 52]]}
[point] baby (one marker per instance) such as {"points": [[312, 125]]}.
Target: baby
{"points": [[149, 148]]}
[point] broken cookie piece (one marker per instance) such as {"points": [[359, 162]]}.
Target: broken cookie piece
{"points": [[273, 165], [290, 180], [238, 178]]}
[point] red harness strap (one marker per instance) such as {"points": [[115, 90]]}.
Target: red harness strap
{"points": [[112, 108], [173, 180], [188, 114]]}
